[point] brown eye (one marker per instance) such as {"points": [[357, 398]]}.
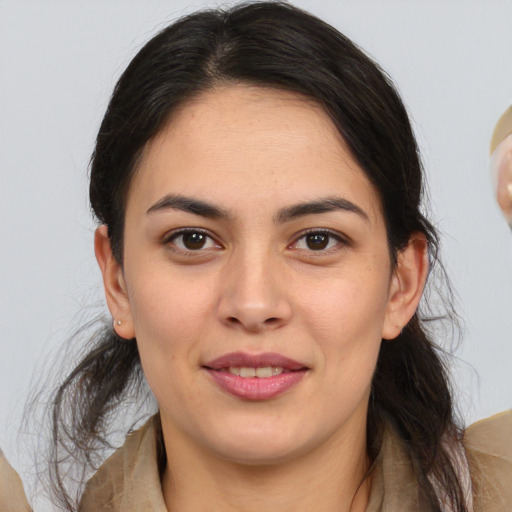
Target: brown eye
{"points": [[318, 241], [192, 240]]}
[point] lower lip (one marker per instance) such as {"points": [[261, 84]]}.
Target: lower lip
{"points": [[254, 388]]}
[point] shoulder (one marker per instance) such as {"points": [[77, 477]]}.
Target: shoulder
{"points": [[129, 479], [488, 446], [12, 495]]}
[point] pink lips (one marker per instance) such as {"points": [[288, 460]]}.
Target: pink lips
{"points": [[255, 388]]}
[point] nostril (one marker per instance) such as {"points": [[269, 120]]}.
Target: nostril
{"points": [[269, 322]]}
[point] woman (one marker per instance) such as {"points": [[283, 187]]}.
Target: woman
{"points": [[263, 253]]}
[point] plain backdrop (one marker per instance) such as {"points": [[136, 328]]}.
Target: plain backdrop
{"points": [[59, 61]]}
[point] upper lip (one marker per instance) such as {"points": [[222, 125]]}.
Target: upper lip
{"points": [[241, 359]]}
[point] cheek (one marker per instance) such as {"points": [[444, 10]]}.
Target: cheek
{"points": [[164, 303], [346, 319], [350, 307], [169, 321], [170, 315]]}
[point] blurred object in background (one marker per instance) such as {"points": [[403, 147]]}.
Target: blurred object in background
{"points": [[501, 163]]}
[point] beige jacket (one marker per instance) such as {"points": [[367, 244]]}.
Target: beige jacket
{"points": [[12, 496], [129, 480]]}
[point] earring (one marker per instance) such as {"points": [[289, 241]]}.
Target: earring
{"points": [[119, 322]]}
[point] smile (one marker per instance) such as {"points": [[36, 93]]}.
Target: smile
{"points": [[263, 372], [255, 377]]}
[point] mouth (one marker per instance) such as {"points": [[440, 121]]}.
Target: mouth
{"points": [[255, 377], [261, 372]]}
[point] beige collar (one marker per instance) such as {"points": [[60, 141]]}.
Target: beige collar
{"points": [[129, 480]]}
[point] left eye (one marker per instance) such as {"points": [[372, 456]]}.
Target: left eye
{"points": [[317, 241], [192, 240]]}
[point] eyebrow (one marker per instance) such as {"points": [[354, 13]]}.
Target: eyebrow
{"points": [[189, 205], [205, 209], [323, 205]]}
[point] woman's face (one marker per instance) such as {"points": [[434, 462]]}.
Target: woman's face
{"points": [[257, 277]]}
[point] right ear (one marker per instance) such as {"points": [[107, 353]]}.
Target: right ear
{"points": [[114, 284]]}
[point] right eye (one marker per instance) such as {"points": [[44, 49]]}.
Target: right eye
{"points": [[192, 240]]}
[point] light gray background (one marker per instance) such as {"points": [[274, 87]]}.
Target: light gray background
{"points": [[59, 61]]}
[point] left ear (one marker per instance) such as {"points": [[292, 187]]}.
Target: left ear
{"points": [[114, 285], [406, 285]]}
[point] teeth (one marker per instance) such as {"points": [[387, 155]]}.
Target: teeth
{"points": [[262, 372], [247, 372]]}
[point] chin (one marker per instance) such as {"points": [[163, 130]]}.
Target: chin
{"points": [[259, 455], [259, 447]]}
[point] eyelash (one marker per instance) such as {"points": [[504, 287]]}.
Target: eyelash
{"points": [[341, 241], [174, 235]]}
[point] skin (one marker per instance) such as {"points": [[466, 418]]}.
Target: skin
{"points": [[256, 286], [501, 164]]}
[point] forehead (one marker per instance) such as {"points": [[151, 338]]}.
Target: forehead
{"points": [[262, 144]]}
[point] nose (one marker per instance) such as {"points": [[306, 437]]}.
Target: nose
{"points": [[253, 295]]}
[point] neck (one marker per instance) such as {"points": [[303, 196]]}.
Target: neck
{"points": [[329, 480]]}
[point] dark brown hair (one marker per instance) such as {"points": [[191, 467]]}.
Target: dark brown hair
{"points": [[274, 45]]}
